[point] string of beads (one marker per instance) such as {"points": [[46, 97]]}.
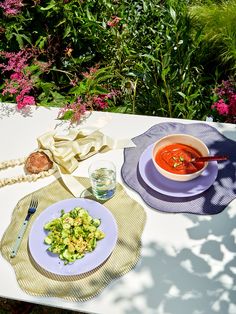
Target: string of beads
{"points": [[22, 178]]}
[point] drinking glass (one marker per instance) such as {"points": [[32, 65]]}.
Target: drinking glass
{"points": [[102, 174]]}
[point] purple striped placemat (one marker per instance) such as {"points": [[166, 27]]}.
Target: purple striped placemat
{"points": [[211, 201]]}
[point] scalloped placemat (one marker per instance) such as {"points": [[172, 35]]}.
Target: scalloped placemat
{"points": [[130, 217], [214, 199]]}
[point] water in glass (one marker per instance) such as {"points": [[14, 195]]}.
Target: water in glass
{"points": [[103, 182]]}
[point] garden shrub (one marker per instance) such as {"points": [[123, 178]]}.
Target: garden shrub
{"points": [[137, 56]]}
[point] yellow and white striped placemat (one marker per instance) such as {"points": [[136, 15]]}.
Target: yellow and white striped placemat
{"points": [[130, 217]]}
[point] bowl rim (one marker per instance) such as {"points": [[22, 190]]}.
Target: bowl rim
{"points": [[178, 175]]}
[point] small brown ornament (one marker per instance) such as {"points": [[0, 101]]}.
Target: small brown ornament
{"points": [[38, 162]]}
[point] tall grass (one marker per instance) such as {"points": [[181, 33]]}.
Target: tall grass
{"points": [[218, 23]]}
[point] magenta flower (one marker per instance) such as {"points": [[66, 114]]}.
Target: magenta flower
{"points": [[23, 101], [10, 88], [221, 107], [11, 7], [225, 106], [16, 61], [20, 82], [16, 76], [74, 111], [100, 101]]}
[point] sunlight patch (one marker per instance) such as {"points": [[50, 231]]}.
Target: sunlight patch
{"points": [[173, 292], [226, 281], [187, 265]]}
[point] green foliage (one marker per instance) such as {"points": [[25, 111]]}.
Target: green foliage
{"points": [[155, 52], [218, 22]]}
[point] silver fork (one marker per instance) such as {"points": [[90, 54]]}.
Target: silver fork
{"points": [[32, 209]]}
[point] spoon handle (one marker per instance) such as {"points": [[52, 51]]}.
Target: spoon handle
{"points": [[210, 158]]}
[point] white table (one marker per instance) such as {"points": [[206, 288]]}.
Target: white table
{"points": [[188, 262]]}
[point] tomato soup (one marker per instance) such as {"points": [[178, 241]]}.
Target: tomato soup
{"points": [[176, 158]]}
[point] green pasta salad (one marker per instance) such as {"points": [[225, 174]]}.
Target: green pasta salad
{"points": [[73, 234]]}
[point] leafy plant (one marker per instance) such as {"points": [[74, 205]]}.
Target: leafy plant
{"points": [[151, 54], [152, 42]]}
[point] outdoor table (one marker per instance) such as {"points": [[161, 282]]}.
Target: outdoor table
{"points": [[175, 273]]}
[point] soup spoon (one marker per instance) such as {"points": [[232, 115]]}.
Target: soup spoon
{"points": [[209, 158]]}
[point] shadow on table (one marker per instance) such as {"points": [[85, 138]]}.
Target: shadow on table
{"points": [[8, 110], [191, 281], [225, 191]]}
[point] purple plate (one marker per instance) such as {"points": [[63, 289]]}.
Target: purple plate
{"points": [[51, 262], [161, 184]]}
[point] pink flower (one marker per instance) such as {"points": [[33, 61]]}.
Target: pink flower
{"points": [[91, 71], [11, 7], [114, 22], [16, 61], [79, 113], [78, 109], [21, 81], [16, 76], [10, 87], [100, 101], [112, 94], [73, 82], [23, 101], [226, 104], [94, 69], [86, 74], [221, 107]]}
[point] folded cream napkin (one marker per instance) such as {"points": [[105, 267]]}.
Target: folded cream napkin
{"points": [[66, 151]]}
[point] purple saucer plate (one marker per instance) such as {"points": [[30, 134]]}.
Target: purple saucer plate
{"points": [[51, 262], [161, 184]]}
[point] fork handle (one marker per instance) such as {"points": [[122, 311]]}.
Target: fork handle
{"points": [[19, 239]]}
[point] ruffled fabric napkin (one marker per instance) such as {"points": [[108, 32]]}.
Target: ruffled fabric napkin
{"points": [[67, 150], [211, 201]]}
